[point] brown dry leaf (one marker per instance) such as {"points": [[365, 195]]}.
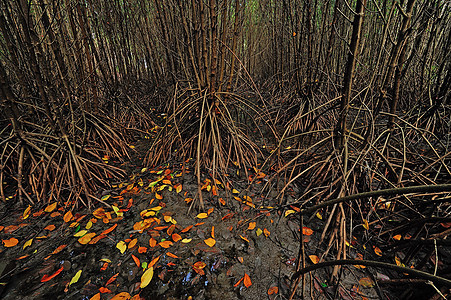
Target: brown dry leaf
{"points": [[10, 242], [247, 280], [50, 207], [86, 238], [210, 242]]}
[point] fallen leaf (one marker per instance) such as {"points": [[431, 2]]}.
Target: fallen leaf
{"points": [[50, 207], [75, 278], [244, 238], [105, 290], [238, 283], [199, 265], [176, 237], [105, 232], [266, 232], [202, 216], [27, 243], [247, 280], [136, 260], [122, 296], [59, 249], [289, 212], [178, 188], [165, 244], [234, 191], [46, 277], [307, 231], [50, 227], [152, 242], [81, 233], [251, 225], [171, 255], [258, 232], [240, 259], [397, 237], [142, 249], [210, 211], [186, 241], [273, 290], [222, 201], [366, 282], [121, 246], [86, 238], [210, 242], [365, 224], [26, 212], [212, 231], [378, 251], [154, 261], [112, 279], [314, 258], [95, 297], [10, 242], [146, 277], [132, 243]]}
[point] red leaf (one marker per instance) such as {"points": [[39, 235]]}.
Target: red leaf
{"points": [[113, 278], [46, 277], [105, 232]]}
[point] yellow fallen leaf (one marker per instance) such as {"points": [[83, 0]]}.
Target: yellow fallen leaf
{"points": [[235, 191], [365, 224], [75, 278], [26, 213], [178, 189], [50, 207], [186, 241], [146, 277], [121, 246], [202, 216], [366, 282], [378, 251], [319, 216], [289, 212], [258, 232], [80, 233], [88, 225], [106, 197], [27, 243], [210, 242], [244, 238]]}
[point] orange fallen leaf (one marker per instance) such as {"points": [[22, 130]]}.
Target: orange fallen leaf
{"points": [[273, 290], [142, 249], [199, 265], [154, 261], [10, 242], [96, 239], [165, 244], [46, 277], [105, 232], [186, 229], [68, 216], [105, 290], [210, 242], [240, 259], [210, 211], [314, 258], [152, 242], [307, 231], [266, 232], [50, 207], [239, 281], [222, 201], [136, 260], [176, 237], [251, 225], [366, 282], [50, 227], [59, 249], [112, 279], [212, 231], [244, 238], [122, 296], [132, 243], [397, 237], [247, 280], [378, 251], [171, 255], [95, 297]]}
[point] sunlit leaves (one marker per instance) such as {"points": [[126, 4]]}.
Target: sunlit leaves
{"points": [[258, 232], [154, 261], [186, 241], [132, 243], [50, 227], [365, 224], [378, 251]]}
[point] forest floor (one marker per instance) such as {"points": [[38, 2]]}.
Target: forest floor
{"points": [[238, 247]]}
